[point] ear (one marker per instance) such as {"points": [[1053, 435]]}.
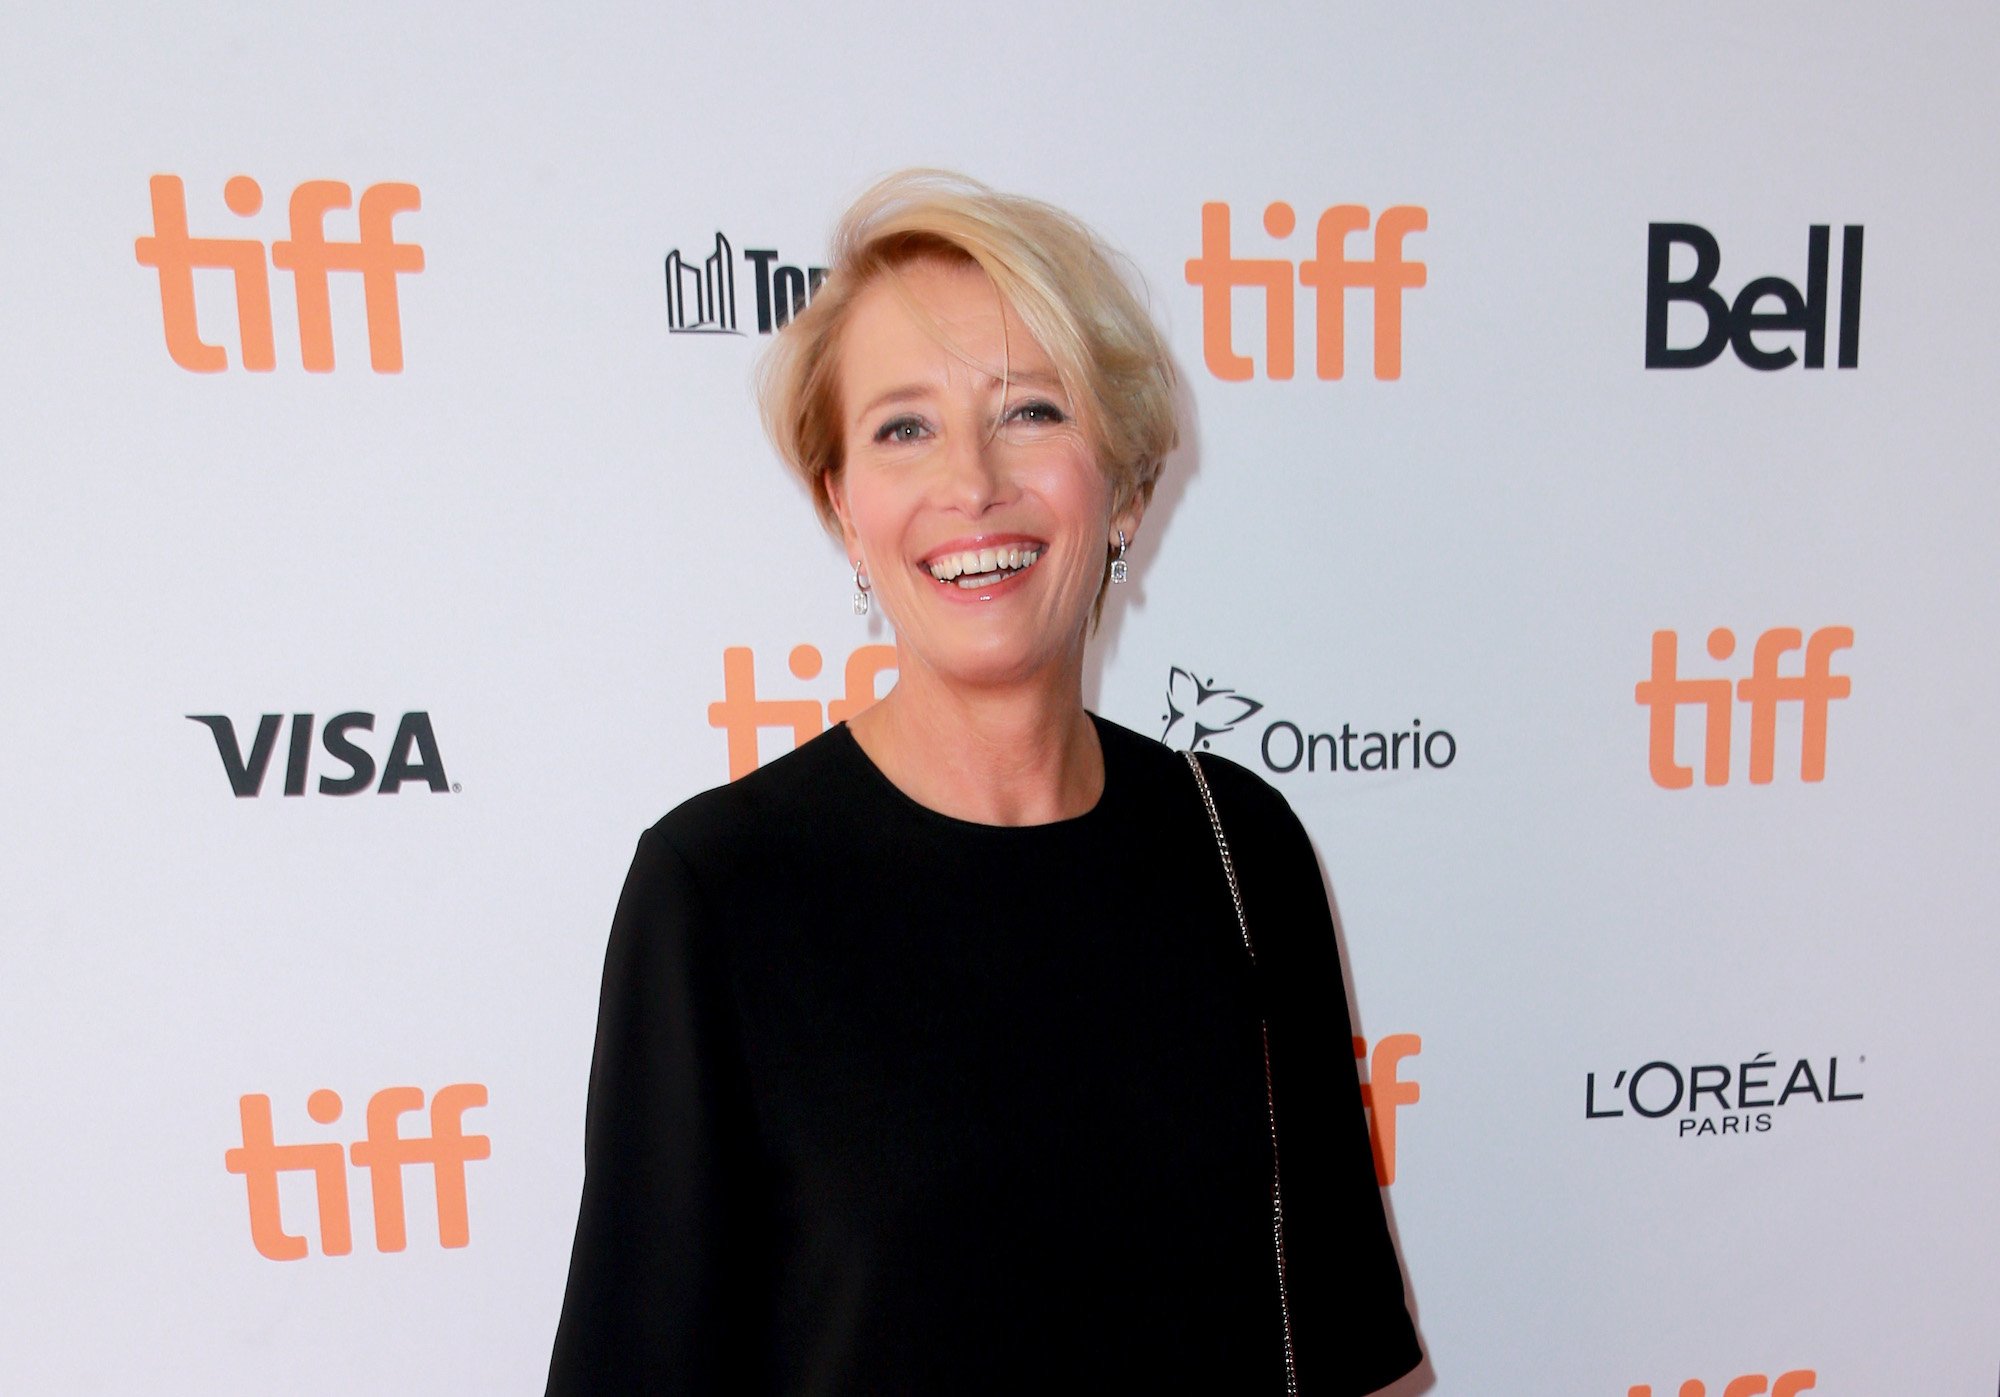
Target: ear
{"points": [[836, 496]]}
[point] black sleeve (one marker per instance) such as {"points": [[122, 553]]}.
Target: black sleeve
{"points": [[662, 1279], [1352, 1332]]}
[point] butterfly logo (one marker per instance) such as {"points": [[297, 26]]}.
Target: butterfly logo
{"points": [[1210, 711]]}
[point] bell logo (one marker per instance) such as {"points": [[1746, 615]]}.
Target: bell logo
{"points": [[383, 1153], [308, 255], [1329, 274], [1749, 1385], [1736, 325], [1383, 1093], [413, 753], [1665, 693]]}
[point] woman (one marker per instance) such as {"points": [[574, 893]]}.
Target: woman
{"points": [[931, 1058]]}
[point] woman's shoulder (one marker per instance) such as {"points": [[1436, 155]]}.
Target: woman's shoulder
{"points": [[751, 818], [1240, 793]]}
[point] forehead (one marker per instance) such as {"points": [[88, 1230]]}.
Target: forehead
{"points": [[934, 321]]}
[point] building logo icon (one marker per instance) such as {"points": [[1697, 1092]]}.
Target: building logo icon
{"points": [[701, 295], [701, 300]]}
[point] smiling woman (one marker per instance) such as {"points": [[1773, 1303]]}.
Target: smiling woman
{"points": [[976, 376], [971, 495], [1023, 1104]]}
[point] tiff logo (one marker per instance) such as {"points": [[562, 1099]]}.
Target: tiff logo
{"points": [[1814, 688], [1384, 1092], [383, 1152], [1749, 1385], [308, 255], [413, 753], [1328, 273], [701, 297], [742, 714]]}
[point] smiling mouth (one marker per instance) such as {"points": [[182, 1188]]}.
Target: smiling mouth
{"points": [[982, 567]]}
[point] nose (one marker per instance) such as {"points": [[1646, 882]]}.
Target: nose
{"points": [[975, 476]]}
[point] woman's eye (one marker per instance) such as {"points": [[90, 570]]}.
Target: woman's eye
{"points": [[1038, 411], [899, 429]]}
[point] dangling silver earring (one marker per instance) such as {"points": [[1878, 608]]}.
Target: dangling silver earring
{"points": [[861, 591], [1118, 563]]}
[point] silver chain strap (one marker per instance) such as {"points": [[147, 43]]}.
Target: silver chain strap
{"points": [[1270, 1097]]}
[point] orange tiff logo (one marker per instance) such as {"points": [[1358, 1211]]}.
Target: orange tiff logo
{"points": [[1749, 1385], [1329, 273], [1665, 693], [741, 714], [1383, 1092], [307, 254], [383, 1152]]}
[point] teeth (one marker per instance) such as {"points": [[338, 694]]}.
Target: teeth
{"points": [[980, 566]]}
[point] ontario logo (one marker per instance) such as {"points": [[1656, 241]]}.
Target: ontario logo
{"points": [[701, 292], [1199, 711]]}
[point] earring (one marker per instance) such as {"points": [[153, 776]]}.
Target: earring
{"points": [[861, 591], [1118, 563]]}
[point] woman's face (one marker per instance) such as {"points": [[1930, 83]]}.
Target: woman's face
{"points": [[969, 490]]}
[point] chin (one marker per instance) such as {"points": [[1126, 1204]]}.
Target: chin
{"points": [[992, 666]]}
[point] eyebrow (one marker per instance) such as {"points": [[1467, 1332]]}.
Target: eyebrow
{"points": [[894, 395], [1030, 378]]}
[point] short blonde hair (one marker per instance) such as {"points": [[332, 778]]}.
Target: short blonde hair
{"points": [[1054, 272]]}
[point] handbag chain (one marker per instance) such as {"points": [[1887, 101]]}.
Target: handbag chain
{"points": [[1270, 1096]]}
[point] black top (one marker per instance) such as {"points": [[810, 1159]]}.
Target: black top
{"points": [[889, 1102]]}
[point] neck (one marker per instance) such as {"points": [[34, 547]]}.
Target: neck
{"points": [[1008, 755]]}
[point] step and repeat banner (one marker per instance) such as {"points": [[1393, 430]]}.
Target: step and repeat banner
{"points": [[1585, 517]]}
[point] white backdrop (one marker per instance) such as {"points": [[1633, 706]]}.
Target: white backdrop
{"points": [[545, 530]]}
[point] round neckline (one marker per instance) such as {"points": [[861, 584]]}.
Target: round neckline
{"points": [[880, 779]]}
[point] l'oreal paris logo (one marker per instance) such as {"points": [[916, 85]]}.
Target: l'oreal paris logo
{"points": [[1717, 1098]]}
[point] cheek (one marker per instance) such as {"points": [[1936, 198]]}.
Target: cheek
{"points": [[874, 511], [1082, 498], [1066, 475]]}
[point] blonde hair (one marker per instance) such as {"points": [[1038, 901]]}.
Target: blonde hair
{"points": [[1053, 271]]}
